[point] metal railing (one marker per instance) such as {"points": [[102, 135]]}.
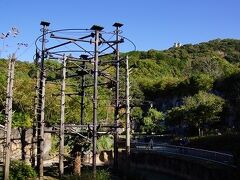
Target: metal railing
{"points": [[218, 157]]}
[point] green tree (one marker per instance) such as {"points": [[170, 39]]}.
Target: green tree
{"points": [[104, 143], [153, 122], [22, 120], [201, 82], [201, 110], [21, 170]]}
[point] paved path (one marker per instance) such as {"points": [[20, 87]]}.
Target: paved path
{"points": [[218, 157]]}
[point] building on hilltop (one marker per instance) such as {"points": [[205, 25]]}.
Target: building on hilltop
{"points": [[176, 45]]}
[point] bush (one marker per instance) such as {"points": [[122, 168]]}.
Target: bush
{"points": [[19, 170], [100, 175], [226, 143], [104, 143]]}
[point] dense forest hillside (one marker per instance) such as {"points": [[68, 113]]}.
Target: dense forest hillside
{"points": [[193, 86]]}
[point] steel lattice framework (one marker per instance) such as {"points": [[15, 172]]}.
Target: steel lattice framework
{"points": [[80, 46]]}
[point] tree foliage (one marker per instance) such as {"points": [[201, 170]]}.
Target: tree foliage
{"points": [[197, 72], [201, 110], [153, 122], [21, 170]]}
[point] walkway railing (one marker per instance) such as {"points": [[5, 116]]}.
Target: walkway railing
{"points": [[218, 157]]}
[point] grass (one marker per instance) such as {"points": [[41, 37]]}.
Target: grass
{"points": [[88, 175], [227, 143], [51, 173], [224, 143]]}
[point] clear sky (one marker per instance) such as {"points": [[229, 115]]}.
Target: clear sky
{"points": [[150, 24]]}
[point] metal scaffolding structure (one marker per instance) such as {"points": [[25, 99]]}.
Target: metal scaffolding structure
{"points": [[87, 48], [86, 51]]}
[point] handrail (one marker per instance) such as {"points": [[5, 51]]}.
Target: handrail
{"points": [[215, 156]]}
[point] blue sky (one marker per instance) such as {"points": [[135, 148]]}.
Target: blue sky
{"points": [[150, 24]]}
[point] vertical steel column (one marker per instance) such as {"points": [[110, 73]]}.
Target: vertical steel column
{"points": [[61, 132], [116, 112], [83, 93], [128, 137], [97, 29], [9, 115], [36, 106], [41, 104]]}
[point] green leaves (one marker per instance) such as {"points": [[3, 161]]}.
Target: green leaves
{"points": [[104, 143], [153, 122], [201, 82], [198, 110], [164, 77], [21, 119], [21, 170]]}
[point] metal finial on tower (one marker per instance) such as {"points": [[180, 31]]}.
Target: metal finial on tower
{"points": [[44, 23], [117, 24], [96, 27]]}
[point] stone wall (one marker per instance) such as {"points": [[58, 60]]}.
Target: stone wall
{"points": [[18, 151]]}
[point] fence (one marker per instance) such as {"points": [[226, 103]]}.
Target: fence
{"points": [[214, 156]]}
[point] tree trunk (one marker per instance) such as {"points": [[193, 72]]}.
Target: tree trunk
{"points": [[77, 164], [34, 147], [24, 144]]}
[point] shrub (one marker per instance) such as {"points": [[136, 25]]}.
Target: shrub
{"points": [[19, 170], [100, 175], [104, 143]]}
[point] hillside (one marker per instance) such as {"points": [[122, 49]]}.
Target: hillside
{"points": [[168, 81]]}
